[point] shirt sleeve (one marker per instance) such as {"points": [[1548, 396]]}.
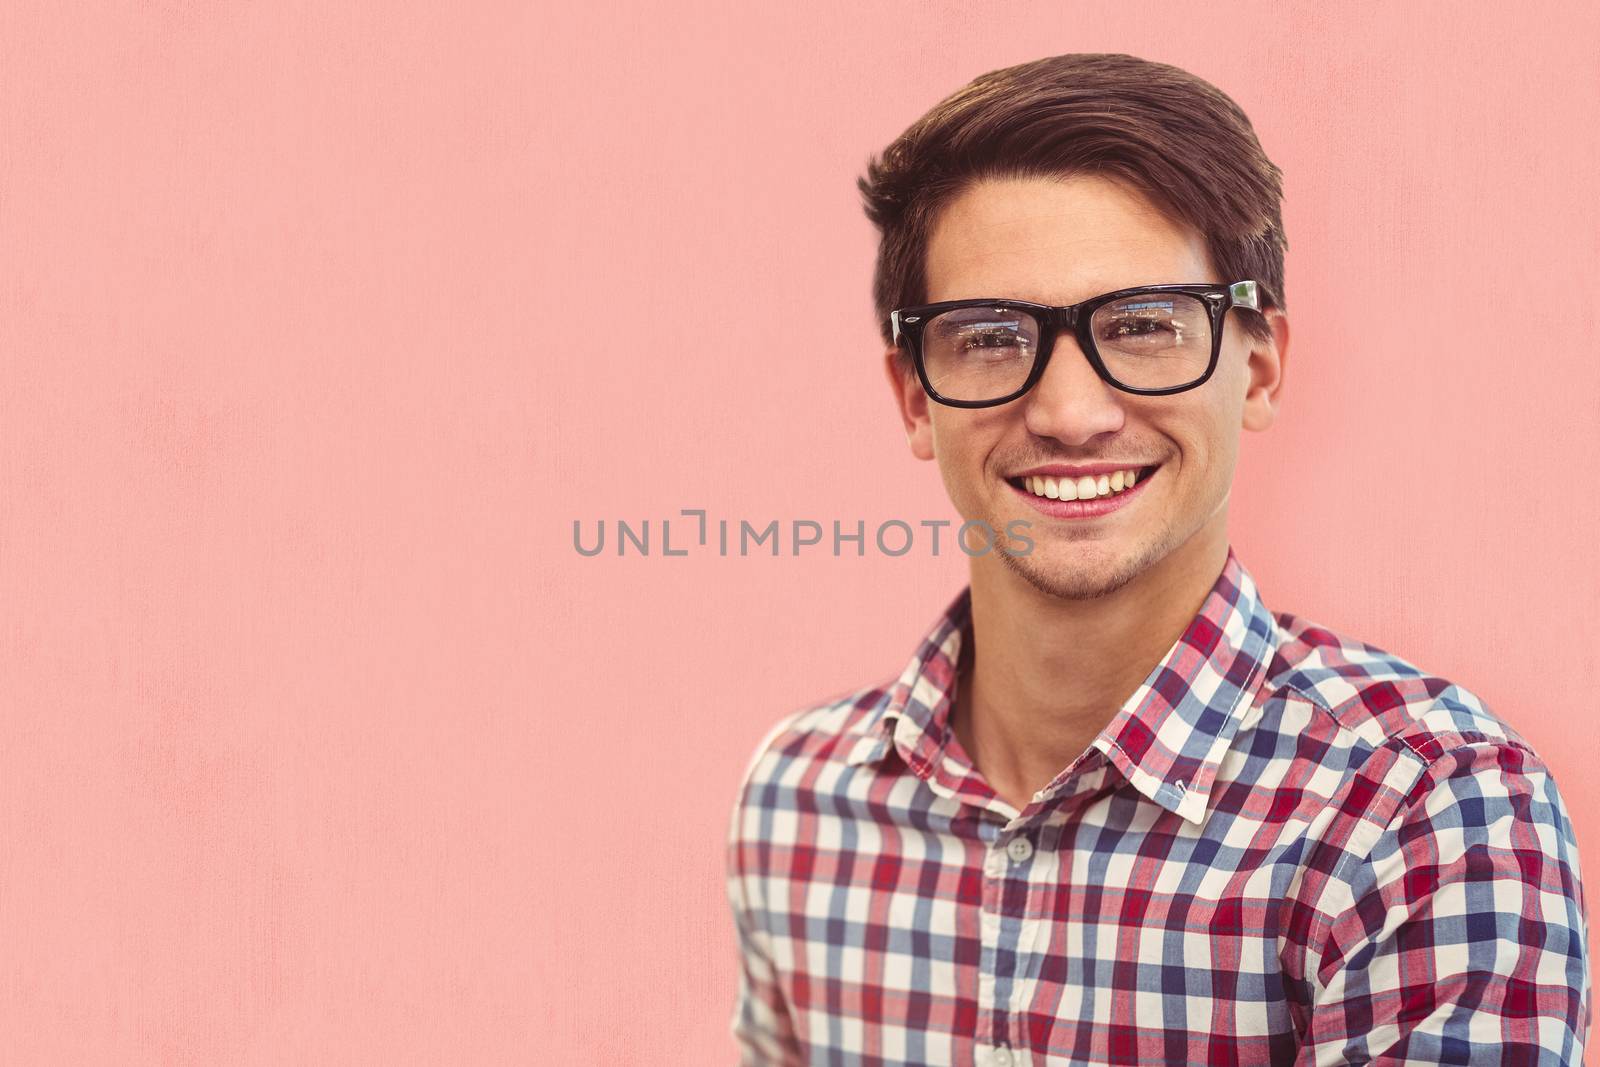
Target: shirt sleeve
{"points": [[1467, 939], [761, 1024]]}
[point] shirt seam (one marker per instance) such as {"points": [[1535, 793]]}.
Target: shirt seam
{"points": [[1323, 923]]}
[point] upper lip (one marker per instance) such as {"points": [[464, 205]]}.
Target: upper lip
{"points": [[1070, 470]]}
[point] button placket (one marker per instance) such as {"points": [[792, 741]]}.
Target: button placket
{"points": [[995, 865]]}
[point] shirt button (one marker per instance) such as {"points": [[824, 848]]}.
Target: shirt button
{"points": [[1019, 849], [1002, 1057]]}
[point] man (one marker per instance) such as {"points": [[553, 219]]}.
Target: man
{"points": [[1114, 810]]}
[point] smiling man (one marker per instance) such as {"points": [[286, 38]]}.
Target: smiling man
{"points": [[1114, 809]]}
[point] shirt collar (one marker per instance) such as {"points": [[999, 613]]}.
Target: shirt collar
{"points": [[1167, 739]]}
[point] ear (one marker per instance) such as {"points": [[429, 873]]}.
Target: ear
{"points": [[1265, 367], [911, 401]]}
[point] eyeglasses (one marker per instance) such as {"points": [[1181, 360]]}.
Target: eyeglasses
{"points": [[1152, 340]]}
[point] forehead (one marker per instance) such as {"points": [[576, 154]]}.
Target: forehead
{"points": [[1057, 241]]}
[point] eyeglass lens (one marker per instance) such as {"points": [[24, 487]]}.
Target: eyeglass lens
{"points": [[1146, 341]]}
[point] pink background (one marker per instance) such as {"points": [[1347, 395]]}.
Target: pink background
{"points": [[321, 323]]}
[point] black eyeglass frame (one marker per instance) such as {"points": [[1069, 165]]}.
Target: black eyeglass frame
{"points": [[906, 326]]}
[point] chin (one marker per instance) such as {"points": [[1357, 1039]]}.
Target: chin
{"points": [[1079, 570]]}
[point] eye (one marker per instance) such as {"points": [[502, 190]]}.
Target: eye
{"points": [[983, 334], [1129, 326], [1151, 323], [989, 338]]}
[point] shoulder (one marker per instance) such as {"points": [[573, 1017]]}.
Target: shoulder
{"points": [[780, 799], [802, 741], [1373, 698], [1440, 825], [1406, 755], [1375, 743]]}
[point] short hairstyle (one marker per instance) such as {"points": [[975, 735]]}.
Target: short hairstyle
{"points": [[1174, 137]]}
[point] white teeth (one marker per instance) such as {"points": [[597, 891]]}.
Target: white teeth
{"points": [[1081, 488]]}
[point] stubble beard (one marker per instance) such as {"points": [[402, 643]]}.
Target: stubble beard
{"points": [[1052, 574]]}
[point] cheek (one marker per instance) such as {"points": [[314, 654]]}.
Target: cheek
{"points": [[962, 443], [1205, 448], [963, 448], [1210, 452]]}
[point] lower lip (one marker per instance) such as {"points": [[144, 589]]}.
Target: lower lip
{"points": [[1085, 509]]}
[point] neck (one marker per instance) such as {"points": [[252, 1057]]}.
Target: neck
{"points": [[1043, 675]]}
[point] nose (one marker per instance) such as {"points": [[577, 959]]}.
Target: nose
{"points": [[1070, 402]]}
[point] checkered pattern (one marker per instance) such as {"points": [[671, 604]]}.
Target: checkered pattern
{"points": [[1287, 847]]}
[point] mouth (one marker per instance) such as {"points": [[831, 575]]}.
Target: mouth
{"points": [[1087, 488]]}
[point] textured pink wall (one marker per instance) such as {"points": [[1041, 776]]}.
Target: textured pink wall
{"points": [[320, 743]]}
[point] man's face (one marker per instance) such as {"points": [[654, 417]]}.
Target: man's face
{"points": [[1058, 242]]}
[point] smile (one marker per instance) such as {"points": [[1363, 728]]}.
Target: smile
{"points": [[1084, 497], [1084, 488]]}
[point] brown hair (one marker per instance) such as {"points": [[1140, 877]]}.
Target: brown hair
{"points": [[1174, 137]]}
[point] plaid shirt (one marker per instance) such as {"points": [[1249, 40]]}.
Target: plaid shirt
{"points": [[1286, 847]]}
